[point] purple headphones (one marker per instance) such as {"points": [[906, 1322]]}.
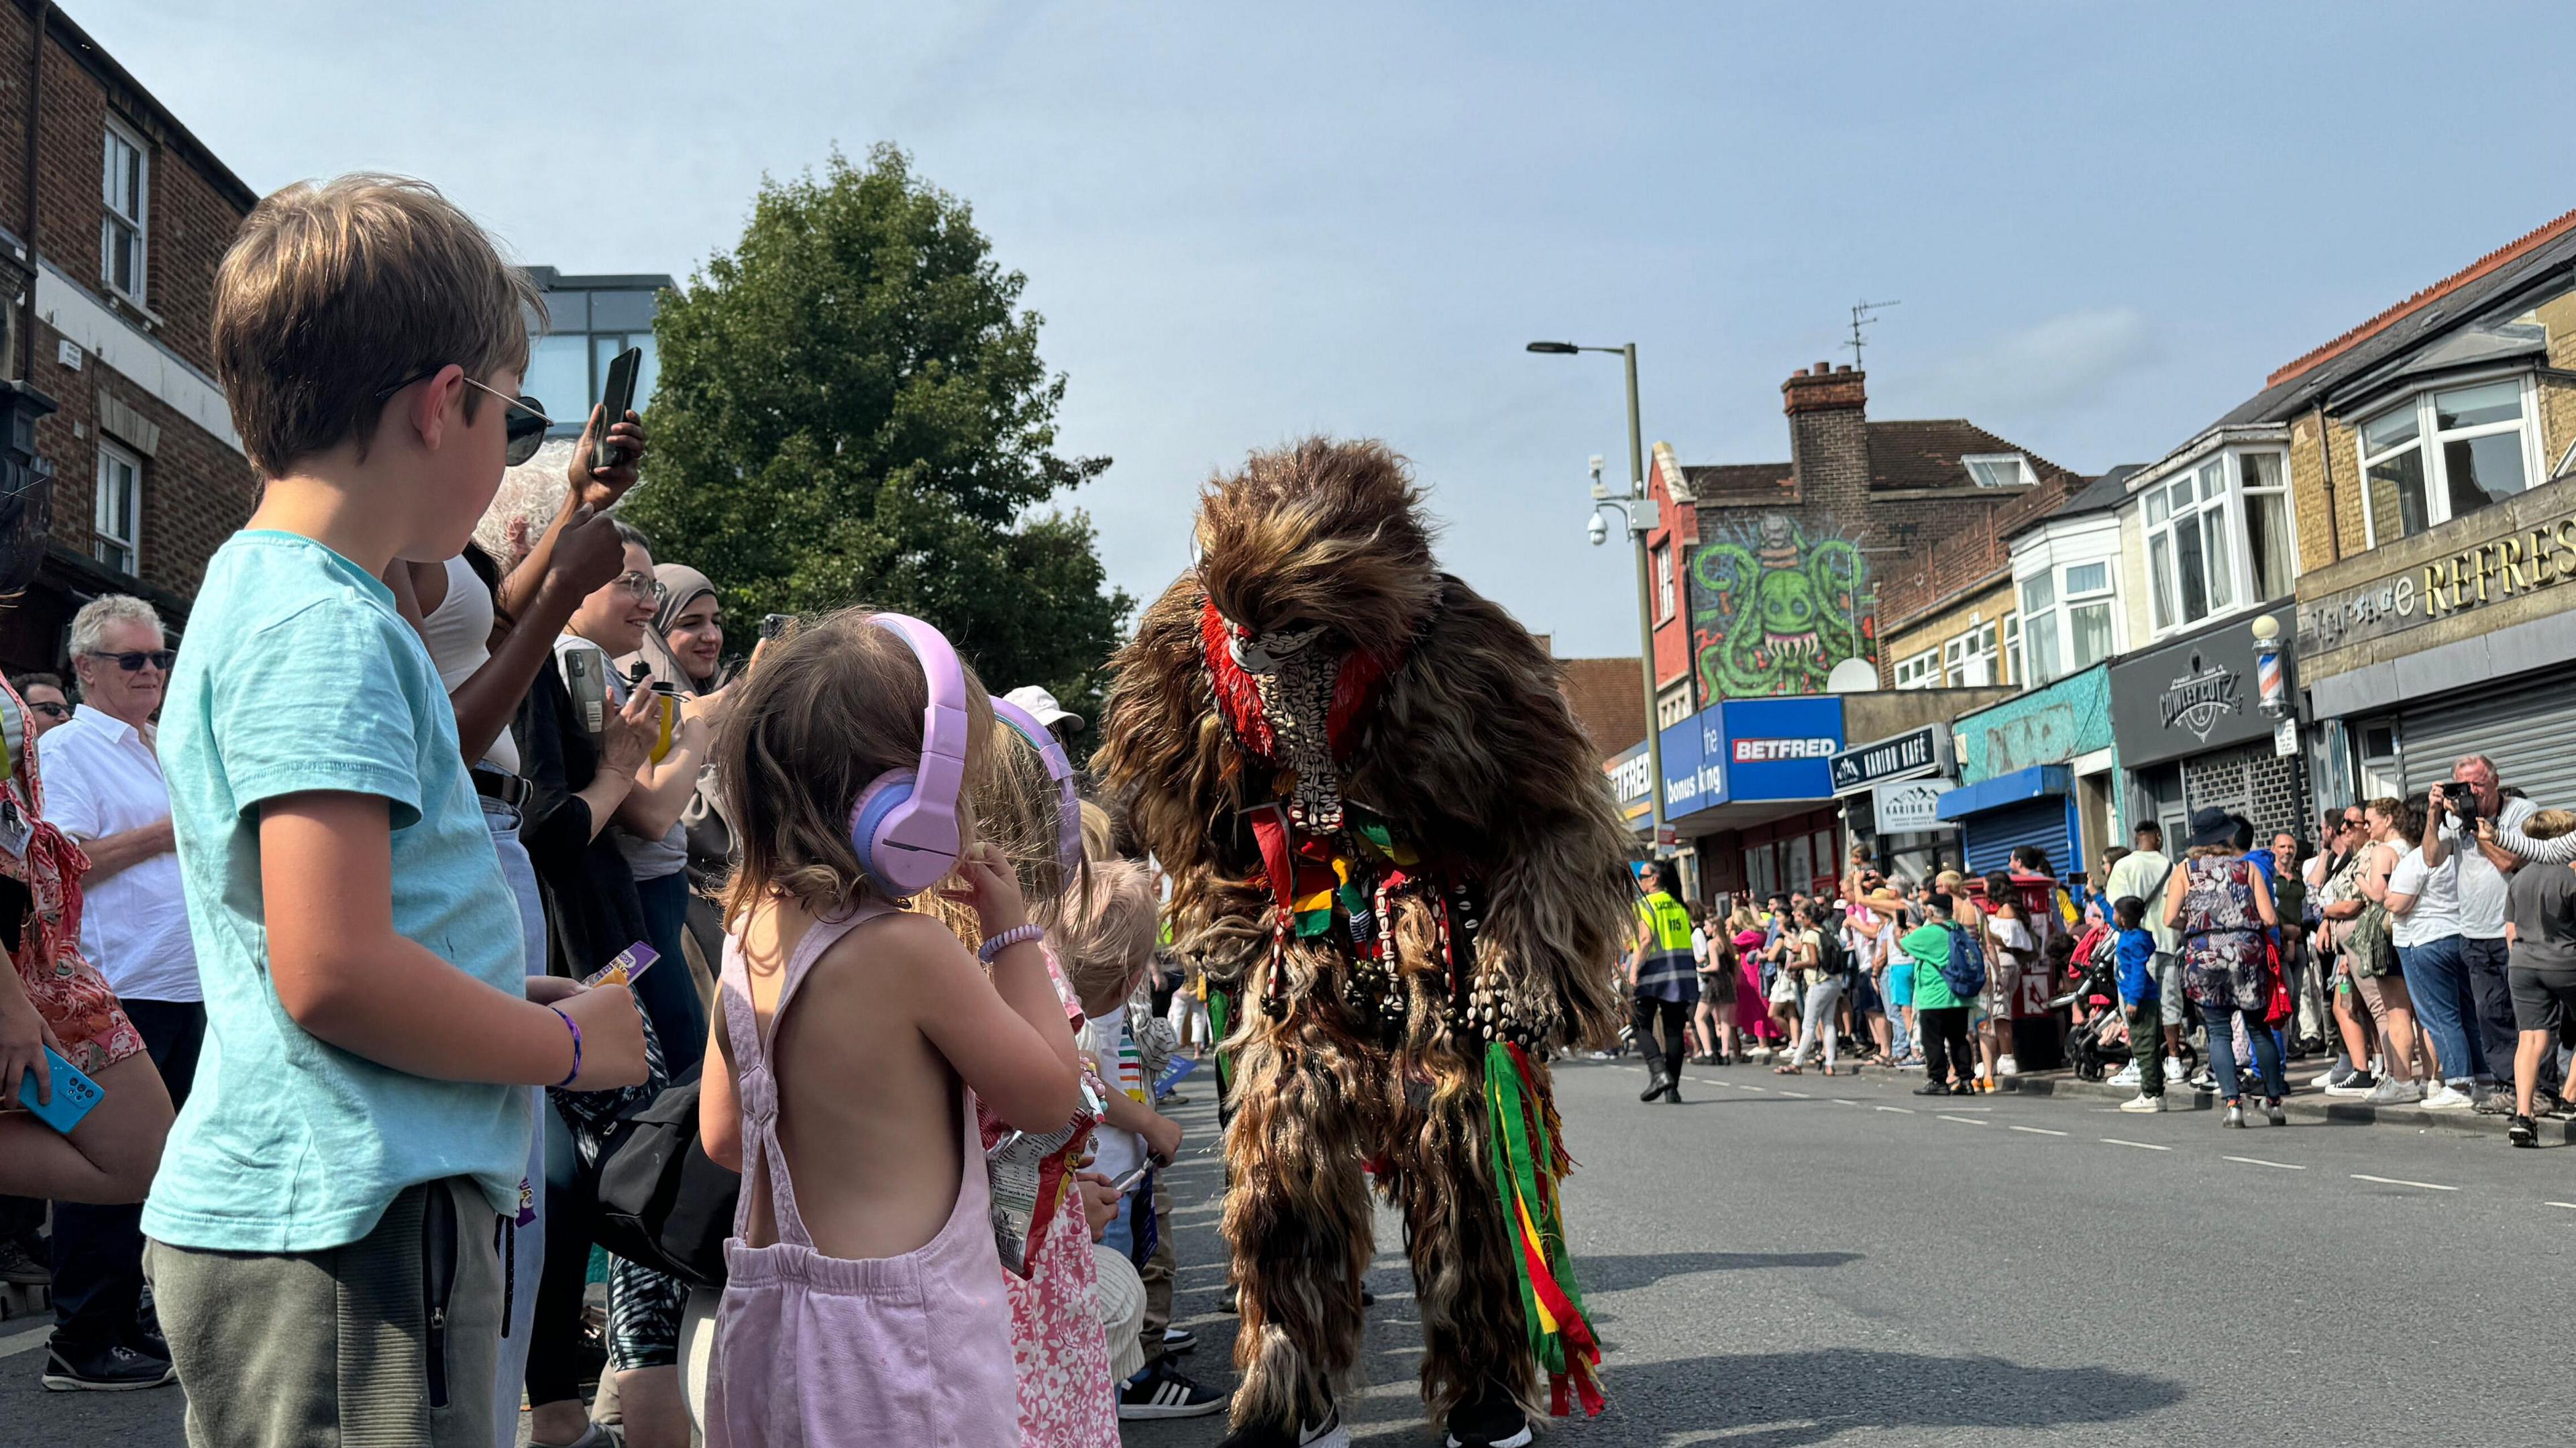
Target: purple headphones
{"points": [[1059, 767], [904, 825]]}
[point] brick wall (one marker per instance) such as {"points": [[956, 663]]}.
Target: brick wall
{"points": [[1969, 548], [2251, 781]]}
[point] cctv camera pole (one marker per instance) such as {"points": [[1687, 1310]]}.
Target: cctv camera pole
{"points": [[1645, 600]]}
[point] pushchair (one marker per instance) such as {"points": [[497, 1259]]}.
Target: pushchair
{"points": [[2097, 1038]]}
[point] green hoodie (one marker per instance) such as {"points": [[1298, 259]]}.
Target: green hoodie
{"points": [[1929, 944]]}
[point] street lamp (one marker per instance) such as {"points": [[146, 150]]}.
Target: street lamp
{"points": [[1637, 510]]}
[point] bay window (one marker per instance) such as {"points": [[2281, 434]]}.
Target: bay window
{"points": [[2218, 538], [2065, 620], [2442, 455]]}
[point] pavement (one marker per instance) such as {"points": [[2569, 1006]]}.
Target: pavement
{"points": [[1780, 1262]]}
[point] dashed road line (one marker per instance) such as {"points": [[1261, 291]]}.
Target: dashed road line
{"points": [[1801, 1095], [2401, 1182], [1899, 1110], [1841, 1101], [2140, 1145], [1749, 1086], [2571, 1206], [2258, 1161], [2039, 1131], [1965, 1120]]}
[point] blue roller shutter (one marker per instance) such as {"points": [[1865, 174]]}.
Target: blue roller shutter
{"points": [[1989, 837]]}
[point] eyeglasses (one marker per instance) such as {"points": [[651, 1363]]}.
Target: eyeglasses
{"points": [[133, 663], [522, 432], [52, 711], [643, 585]]}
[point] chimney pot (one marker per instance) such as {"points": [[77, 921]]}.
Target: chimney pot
{"points": [[1822, 369], [1843, 367]]}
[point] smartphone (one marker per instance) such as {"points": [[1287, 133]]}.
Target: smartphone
{"points": [[627, 968], [74, 1094], [615, 402], [585, 672], [775, 625]]}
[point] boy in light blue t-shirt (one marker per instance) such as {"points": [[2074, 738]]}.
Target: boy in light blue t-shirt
{"points": [[321, 1230]]}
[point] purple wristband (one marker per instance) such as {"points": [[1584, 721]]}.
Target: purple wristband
{"points": [[992, 948], [575, 1027]]}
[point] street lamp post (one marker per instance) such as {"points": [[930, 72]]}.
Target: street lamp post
{"points": [[1637, 510]]}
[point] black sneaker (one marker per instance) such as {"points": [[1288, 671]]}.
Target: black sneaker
{"points": [[115, 1368], [1326, 1434], [1177, 1340], [1160, 1392], [1367, 1298], [1933, 1088], [1492, 1420], [20, 1267], [2523, 1131]]}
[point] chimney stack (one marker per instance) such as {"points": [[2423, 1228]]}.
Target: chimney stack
{"points": [[1829, 441], [1825, 388]]}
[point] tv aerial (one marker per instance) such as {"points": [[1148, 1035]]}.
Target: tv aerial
{"points": [[1861, 316]]}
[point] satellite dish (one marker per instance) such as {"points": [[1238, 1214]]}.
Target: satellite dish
{"points": [[1852, 676]]}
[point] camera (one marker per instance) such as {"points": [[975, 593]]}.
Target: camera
{"points": [[2460, 801]]}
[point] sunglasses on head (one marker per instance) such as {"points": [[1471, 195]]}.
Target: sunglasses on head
{"points": [[524, 428], [133, 663]]}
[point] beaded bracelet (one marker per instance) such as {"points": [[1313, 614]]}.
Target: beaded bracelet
{"points": [[1004, 941], [575, 1027]]}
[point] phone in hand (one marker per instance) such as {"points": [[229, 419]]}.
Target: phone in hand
{"points": [[74, 1094], [615, 402]]}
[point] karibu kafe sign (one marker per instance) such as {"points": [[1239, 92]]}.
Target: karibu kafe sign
{"points": [[1912, 806], [2189, 697], [1900, 756]]}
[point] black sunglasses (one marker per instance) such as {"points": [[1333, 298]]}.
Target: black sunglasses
{"points": [[523, 431], [133, 663]]}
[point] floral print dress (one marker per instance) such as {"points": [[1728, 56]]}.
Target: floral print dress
{"points": [[2222, 936], [1058, 1347], [67, 991]]}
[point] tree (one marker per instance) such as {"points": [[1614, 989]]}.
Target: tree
{"points": [[852, 410]]}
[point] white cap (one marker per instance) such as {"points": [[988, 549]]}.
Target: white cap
{"points": [[1043, 707]]}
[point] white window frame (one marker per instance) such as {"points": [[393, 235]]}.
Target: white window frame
{"points": [[1664, 590], [103, 535], [2437, 483], [2224, 471], [2019, 677], [2022, 474], [2057, 617], [1921, 671], [1981, 642], [112, 215]]}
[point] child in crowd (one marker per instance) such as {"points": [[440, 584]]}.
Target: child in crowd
{"points": [[322, 1227], [865, 1300], [1108, 942], [2140, 1001]]}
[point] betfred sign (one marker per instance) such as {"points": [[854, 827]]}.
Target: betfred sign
{"points": [[1763, 751]]}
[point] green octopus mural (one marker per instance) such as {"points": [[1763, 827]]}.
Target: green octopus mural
{"points": [[1772, 610]]}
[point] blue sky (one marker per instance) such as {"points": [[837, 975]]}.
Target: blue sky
{"points": [[2105, 225]]}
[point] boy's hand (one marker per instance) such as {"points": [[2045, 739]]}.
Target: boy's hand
{"points": [[599, 489], [988, 883], [1162, 1139], [587, 554], [548, 990], [24, 1038], [612, 1038], [1099, 1202]]}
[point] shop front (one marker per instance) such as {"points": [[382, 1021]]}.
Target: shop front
{"points": [[1632, 788], [1892, 790], [2036, 772], [2460, 640], [2193, 730], [1761, 817]]}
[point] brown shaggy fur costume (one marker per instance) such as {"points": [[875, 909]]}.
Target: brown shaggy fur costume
{"points": [[1315, 595]]}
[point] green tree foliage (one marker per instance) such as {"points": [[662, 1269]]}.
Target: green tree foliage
{"points": [[852, 410]]}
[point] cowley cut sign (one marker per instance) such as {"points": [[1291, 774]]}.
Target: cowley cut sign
{"points": [[2192, 696]]}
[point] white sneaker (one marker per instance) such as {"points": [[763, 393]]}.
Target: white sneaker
{"points": [[2007, 1066], [2143, 1102], [2174, 1070], [2127, 1075], [2448, 1098]]}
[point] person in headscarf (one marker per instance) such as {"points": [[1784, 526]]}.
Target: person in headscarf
{"points": [[684, 649]]}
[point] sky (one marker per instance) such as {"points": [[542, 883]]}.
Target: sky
{"points": [[1247, 224]]}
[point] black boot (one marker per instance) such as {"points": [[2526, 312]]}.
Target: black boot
{"points": [[1657, 1083], [1491, 1419], [1673, 1089], [1328, 1434]]}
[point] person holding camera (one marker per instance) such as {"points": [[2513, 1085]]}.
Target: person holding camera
{"points": [[2423, 902], [2478, 812]]}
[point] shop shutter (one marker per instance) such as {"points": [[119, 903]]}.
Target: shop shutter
{"points": [[2530, 732], [1990, 837]]}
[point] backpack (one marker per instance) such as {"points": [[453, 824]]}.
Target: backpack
{"points": [[662, 1203], [1965, 971], [1834, 958]]}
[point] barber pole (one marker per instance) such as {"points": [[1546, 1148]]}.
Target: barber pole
{"points": [[2267, 681]]}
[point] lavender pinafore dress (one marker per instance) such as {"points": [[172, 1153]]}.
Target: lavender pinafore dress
{"points": [[824, 1352]]}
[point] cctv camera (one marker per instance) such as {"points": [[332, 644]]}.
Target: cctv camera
{"points": [[1599, 530]]}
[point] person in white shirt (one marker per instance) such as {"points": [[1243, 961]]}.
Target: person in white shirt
{"points": [[2474, 833], [2423, 900], [103, 788]]}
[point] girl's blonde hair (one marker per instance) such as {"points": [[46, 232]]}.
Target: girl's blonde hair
{"points": [[1104, 933], [2549, 824], [834, 704], [1099, 834]]}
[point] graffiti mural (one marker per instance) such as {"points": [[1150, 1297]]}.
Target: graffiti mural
{"points": [[1774, 608]]}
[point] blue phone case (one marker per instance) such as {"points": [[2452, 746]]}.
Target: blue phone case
{"points": [[74, 1094]]}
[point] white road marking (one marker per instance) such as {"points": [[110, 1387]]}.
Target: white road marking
{"points": [[2140, 1145], [28, 1341], [2258, 1161], [2039, 1131], [1839, 1101], [1900, 1110], [2571, 1206], [1749, 1086], [1706, 1081], [1801, 1095], [1966, 1120], [2401, 1182]]}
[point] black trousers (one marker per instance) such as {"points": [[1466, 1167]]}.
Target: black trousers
{"points": [[98, 1251], [1675, 1015], [1946, 1050]]}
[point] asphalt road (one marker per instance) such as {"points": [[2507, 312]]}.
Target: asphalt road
{"points": [[1778, 1262]]}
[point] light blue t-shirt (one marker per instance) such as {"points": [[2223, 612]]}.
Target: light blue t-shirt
{"points": [[297, 675]]}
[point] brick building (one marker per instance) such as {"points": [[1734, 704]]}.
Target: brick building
{"points": [[113, 219]]}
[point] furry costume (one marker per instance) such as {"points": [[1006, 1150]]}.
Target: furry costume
{"points": [[1389, 837]]}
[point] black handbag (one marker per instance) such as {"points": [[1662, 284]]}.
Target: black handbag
{"points": [[662, 1203]]}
